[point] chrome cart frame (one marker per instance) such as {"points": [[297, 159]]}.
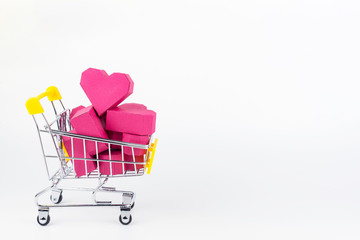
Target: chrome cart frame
{"points": [[57, 130]]}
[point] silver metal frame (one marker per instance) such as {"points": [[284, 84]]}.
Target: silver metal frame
{"points": [[59, 128]]}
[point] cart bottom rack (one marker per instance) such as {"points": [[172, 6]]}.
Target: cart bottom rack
{"points": [[56, 197]]}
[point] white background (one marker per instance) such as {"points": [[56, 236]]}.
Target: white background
{"points": [[258, 114]]}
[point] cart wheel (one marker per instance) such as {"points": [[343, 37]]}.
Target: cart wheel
{"points": [[56, 201], [125, 220], [44, 220]]}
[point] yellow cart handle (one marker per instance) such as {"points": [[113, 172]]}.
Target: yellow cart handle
{"points": [[33, 104], [151, 151]]}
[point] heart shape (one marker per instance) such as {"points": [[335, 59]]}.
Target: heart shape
{"points": [[138, 121], [104, 91]]}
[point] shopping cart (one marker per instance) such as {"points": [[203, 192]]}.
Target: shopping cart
{"points": [[59, 129]]}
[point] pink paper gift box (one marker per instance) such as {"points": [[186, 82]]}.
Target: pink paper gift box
{"points": [[75, 110], [77, 150], [86, 122], [116, 136], [104, 91], [130, 166], [116, 168], [131, 120], [132, 138]]}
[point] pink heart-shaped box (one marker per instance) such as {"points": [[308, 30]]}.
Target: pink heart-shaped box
{"points": [[86, 122], [132, 138], [104, 91], [76, 147], [117, 136], [116, 167], [131, 120], [75, 110], [131, 158]]}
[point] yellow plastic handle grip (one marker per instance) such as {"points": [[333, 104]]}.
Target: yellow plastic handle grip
{"points": [[33, 104], [151, 151]]}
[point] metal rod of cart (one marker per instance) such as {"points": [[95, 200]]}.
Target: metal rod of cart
{"points": [[59, 129]]}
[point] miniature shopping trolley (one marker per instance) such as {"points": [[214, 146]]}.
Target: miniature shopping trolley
{"points": [[59, 129]]}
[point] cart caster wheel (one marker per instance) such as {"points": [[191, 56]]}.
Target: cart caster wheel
{"points": [[125, 220], [56, 200], [43, 221]]}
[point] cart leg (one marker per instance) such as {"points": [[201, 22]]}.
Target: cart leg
{"points": [[101, 184], [128, 199], [56, 195], [125, 216], [43, 218]]}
